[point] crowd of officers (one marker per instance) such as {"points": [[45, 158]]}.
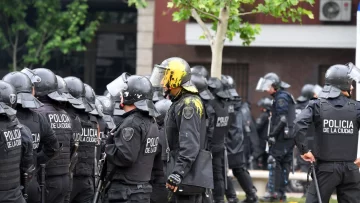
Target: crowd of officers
{"points": [[172, 137]]}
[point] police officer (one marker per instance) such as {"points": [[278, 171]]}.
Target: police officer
{"points": [[189, 167], [200, 70], [70, 107], [57, 170], [84, 171], [131, 149], [336, 118], [158, 180], [45, 143], [235, 147], [221, 128], [283, 115], [308, 92], [106, 106], [16, 146], [263, 127]]}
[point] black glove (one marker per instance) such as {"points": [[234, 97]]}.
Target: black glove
{"points": [[271, 140], [173, 182], [110, 139]]}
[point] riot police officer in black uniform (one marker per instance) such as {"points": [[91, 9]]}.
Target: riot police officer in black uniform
{"points": [[106, 105], [189, 167], [281, 150], [217, 144], [158, 180], [16, 146], [57, 170], [336, 118], [131, 149], [84, 171], [236, 149], [45, 143], [263, 129]]}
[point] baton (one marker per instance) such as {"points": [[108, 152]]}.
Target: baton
{"points": [[268, 134], [316, 183]]}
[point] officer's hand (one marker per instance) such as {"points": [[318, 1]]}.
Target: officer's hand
{"points": [[357, 162], [173, 182], [271, 140], [308, 157]]}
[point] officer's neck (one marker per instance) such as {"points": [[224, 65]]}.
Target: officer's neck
{"points": [[128, 108]]}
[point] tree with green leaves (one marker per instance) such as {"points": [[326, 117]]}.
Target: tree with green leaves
{"points": [[227, 19], [31, 29]]}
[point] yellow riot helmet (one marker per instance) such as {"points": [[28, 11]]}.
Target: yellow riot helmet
{"points": [[172, 73]]}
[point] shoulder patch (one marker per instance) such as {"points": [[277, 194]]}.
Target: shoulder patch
{"points": [[127, 133], [280, 102], [188, 112]]}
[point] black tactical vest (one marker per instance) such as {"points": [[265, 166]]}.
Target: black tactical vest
{"points": [[10, 154], [86, 150], [337, 137], [31, 120], [235, 136], [140, 171], [61, 123], [221, 124]]}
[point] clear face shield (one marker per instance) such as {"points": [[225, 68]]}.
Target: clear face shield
{"points": [[157, 76], [263, 85], [354, 72], [317, 90], [118, 85], [32, 75]]}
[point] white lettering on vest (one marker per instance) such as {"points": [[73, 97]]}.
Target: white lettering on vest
{"points": [[331, 126], [151, 145], [222, 121], [59, 121], [13, 138], [89, 135], [36, 140]]}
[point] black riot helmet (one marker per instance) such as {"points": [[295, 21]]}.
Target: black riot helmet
{"points": [[162, 107], [201, 70], [23, 87], [217, 88], [271, 79], [48, 85], [201, 84], [307, 92], [90, 97], [7, 100], [77, 89], [62, 88], [31, 74], [158, 94], [107, 104], [134, 89], [339, 78], [230, 85], [265, 103]]}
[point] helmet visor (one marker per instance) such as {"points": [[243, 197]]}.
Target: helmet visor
{"points": [[32, 75], [354, 72], [263, 85], [118, 85], [157, 76]]}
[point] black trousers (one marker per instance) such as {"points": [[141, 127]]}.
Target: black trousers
{"points": [[219, 175], [82, 190], [34, 192], [283, 159], [118, 192], [159, 193], [12, 196], [187, 198], [342, 177], [57, 188]]}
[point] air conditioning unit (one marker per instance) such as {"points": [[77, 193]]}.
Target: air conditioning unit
{"points": [[335, 10]]}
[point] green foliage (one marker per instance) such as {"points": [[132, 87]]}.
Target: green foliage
{"points": [[40, 27], [210, 10]]}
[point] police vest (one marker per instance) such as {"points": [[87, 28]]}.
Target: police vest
{"points": [[10, 156], [31, 120], [337, 137], [140, 171], [61, 123], [86, 150], [235, 136], [221, 124]]}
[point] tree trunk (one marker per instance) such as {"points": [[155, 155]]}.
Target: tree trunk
{"points": [[217, 49]]}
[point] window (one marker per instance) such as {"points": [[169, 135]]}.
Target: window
{"points": [[239, 72]]}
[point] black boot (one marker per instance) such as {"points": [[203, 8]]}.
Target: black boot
{"points": [[270, 197], [233, 200]]}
